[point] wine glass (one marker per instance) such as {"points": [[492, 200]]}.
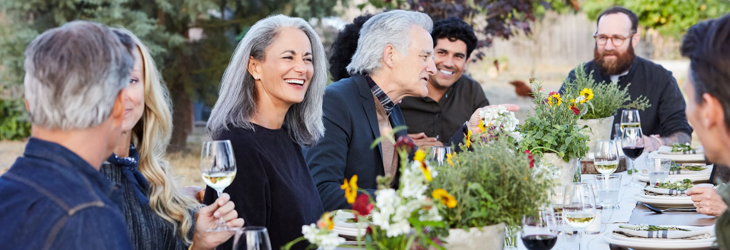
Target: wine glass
{"points": [[632, 143], [218, 168], [579, 206], [251, 238], [630, 119], [438, 154], [540, 232], [606, 157]]}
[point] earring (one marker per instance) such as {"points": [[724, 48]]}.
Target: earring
{"points": [[255, 77]]}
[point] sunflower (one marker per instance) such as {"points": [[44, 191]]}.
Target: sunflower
{"points": [[445, 198]]}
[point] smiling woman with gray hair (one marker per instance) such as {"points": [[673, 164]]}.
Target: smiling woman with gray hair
{"points": [[270, 104]]}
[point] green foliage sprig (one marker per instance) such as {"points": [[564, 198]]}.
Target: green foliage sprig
{"points": [[554, 127], [493, 183], [607, 97], [14, 122]]}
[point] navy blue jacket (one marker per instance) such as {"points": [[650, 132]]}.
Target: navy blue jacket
{"points": [[53, 199], [351, 125]]}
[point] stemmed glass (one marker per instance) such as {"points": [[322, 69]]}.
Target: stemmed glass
{"points": [[630, 119], [540, 232], [632, 143], [579, 206], [438, 154], [606, 157], [218, 168], [251, 238]]}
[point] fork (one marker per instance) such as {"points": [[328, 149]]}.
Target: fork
{"points": [[659, 211]]}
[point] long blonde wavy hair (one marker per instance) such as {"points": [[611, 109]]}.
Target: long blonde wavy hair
{"points": [[151, 135]]}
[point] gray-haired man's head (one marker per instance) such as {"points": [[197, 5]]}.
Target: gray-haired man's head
{"points": [[398, 44], [74, 74]]}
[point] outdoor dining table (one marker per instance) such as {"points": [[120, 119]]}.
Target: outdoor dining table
{"points": [[633, 212], [630, 212]]}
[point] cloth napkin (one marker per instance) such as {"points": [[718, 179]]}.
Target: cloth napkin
{"points": [[688, 152], [666, 191], [694, 233]]}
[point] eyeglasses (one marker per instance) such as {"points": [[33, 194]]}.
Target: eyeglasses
{"points": [[617, 40]]}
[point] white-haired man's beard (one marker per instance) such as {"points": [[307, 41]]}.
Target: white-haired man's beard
{"points": [[621, 64]]}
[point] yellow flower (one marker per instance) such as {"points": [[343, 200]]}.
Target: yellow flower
{"points": [[588, 93], [481, 126], [419, 156], [326, 222], [444, 197], [555, 99], [350, 189], [468, 139], [450, 157]]}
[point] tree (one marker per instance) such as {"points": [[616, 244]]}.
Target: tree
{"points": [[503, 18], [191, 69], [668, 17]]}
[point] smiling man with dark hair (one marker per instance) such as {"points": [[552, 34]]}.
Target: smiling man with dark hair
{"points": [[664, 123], [452, 96]]}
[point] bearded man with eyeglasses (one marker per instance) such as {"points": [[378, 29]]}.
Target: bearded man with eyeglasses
{"points": [[614, 62]]}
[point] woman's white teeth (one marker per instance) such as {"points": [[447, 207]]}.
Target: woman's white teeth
{"points": [[297, 82], [446, 72]]}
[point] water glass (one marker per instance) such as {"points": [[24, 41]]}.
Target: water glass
{"points": [[608, 188], [251, 238], [438, 154], [658, 170], [568, 237]]}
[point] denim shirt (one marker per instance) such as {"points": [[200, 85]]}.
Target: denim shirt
{"points": [[53, 199]]}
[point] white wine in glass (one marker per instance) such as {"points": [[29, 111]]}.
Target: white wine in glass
{"points": [[606, 157], [579, 206], [218, 169], [630, 119]]}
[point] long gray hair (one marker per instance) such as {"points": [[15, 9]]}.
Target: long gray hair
{"points": [[236, 103], [392, 27]]}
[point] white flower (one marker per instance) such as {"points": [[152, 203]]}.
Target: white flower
{"points": [[330, 241], [516, 135], [309, 232], [382, 220], [397, 229], [321, 237]]}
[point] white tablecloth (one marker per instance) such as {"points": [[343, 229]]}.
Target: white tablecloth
{"points": [[610, 219]]}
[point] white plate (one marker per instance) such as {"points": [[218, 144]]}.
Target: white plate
{"points": [[682, 158], [348, 231], [664, 202], [694, 178], [652, 244], [673, 198]]}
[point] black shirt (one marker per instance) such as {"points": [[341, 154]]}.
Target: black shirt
{"points": [[445, 117], [666, 114], [273, 187]]}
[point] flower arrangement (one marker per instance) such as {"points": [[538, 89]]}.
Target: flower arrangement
{"points": [[402, 218], [554, 126], [608, 97], [492, 183], [497, 121]]}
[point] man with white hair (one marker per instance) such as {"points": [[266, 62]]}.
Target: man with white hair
{"points": [[394, 59], [54, 196]]}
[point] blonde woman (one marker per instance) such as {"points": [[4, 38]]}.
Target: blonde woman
{"points": [[158, 214]]}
